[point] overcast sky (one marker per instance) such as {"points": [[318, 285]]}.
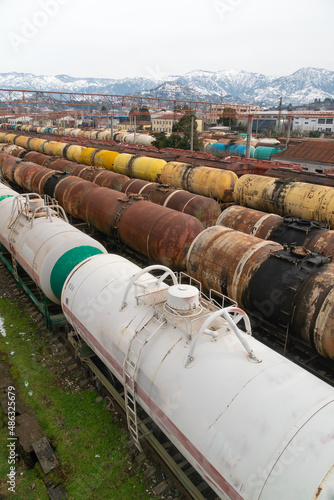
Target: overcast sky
{"points": [[85, 38]]}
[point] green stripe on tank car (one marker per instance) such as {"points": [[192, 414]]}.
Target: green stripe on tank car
{"points": [[66, 263], [6, 196]]}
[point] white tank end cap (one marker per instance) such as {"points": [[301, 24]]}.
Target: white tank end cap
{"points": [[183, 297]]}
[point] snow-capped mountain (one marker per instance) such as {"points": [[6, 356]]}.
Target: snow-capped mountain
{"points": [[224, 83], [174, 90], [301, 87], [65, 83]]}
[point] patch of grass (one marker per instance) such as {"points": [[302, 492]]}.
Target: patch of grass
{"points": [[90, 447]]}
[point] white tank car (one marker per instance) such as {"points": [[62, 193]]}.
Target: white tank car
{"points": [[41, 241], [252, 423]]}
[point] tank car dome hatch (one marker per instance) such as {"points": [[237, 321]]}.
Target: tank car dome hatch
{"points": [[183, 299], [35, 203]]}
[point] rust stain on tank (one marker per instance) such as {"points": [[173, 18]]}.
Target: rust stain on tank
{"points": [[321, 487], [162, 234], [71, 193], [111, 180], [100, 208], [8, 167], [206, 210], [39, 178]]}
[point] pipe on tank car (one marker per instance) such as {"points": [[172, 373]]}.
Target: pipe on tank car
{"points": [[8, 164], [206, 210], [22, 140], [232, 404], [73, 152], [87, 156], [249, 221], [54, 148], [225, 313], [14, 150], [37, 144]]}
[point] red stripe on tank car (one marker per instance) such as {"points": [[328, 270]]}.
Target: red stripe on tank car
{"points": [[211, 474]]}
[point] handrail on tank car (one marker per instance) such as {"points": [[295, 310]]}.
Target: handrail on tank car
{"points": [[50, 211], [168, 272], [20, 206], [25, 198], [225, 313]]}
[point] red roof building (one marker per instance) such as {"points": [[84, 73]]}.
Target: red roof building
{"points": [[312, 154]]}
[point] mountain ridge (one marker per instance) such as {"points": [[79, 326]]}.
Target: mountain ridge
{"points": [[230, 86]]}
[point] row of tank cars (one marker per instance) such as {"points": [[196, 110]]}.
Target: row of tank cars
{"points": [[216, 148], [232, 149], [104, 134], [214, 183], [286, 197], [251, 422], [268, 432], [168, 235]]}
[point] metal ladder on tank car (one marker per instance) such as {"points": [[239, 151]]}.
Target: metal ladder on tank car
{"points": [[130, 368], [12, 226]]}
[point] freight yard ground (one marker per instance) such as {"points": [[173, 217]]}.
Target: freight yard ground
{"points": [[89, 441]]}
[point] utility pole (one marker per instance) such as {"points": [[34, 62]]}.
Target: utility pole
{"points": [[134, 129], [249, 135], [288, 133], [192, 134], [279, 115], [111, 124]]}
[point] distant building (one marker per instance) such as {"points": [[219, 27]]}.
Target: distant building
{"points": [[122, 118], [311, 154], [302, 121], [308, 123], [262, 120], [217, 111], [164, 123], [18, 119]]}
